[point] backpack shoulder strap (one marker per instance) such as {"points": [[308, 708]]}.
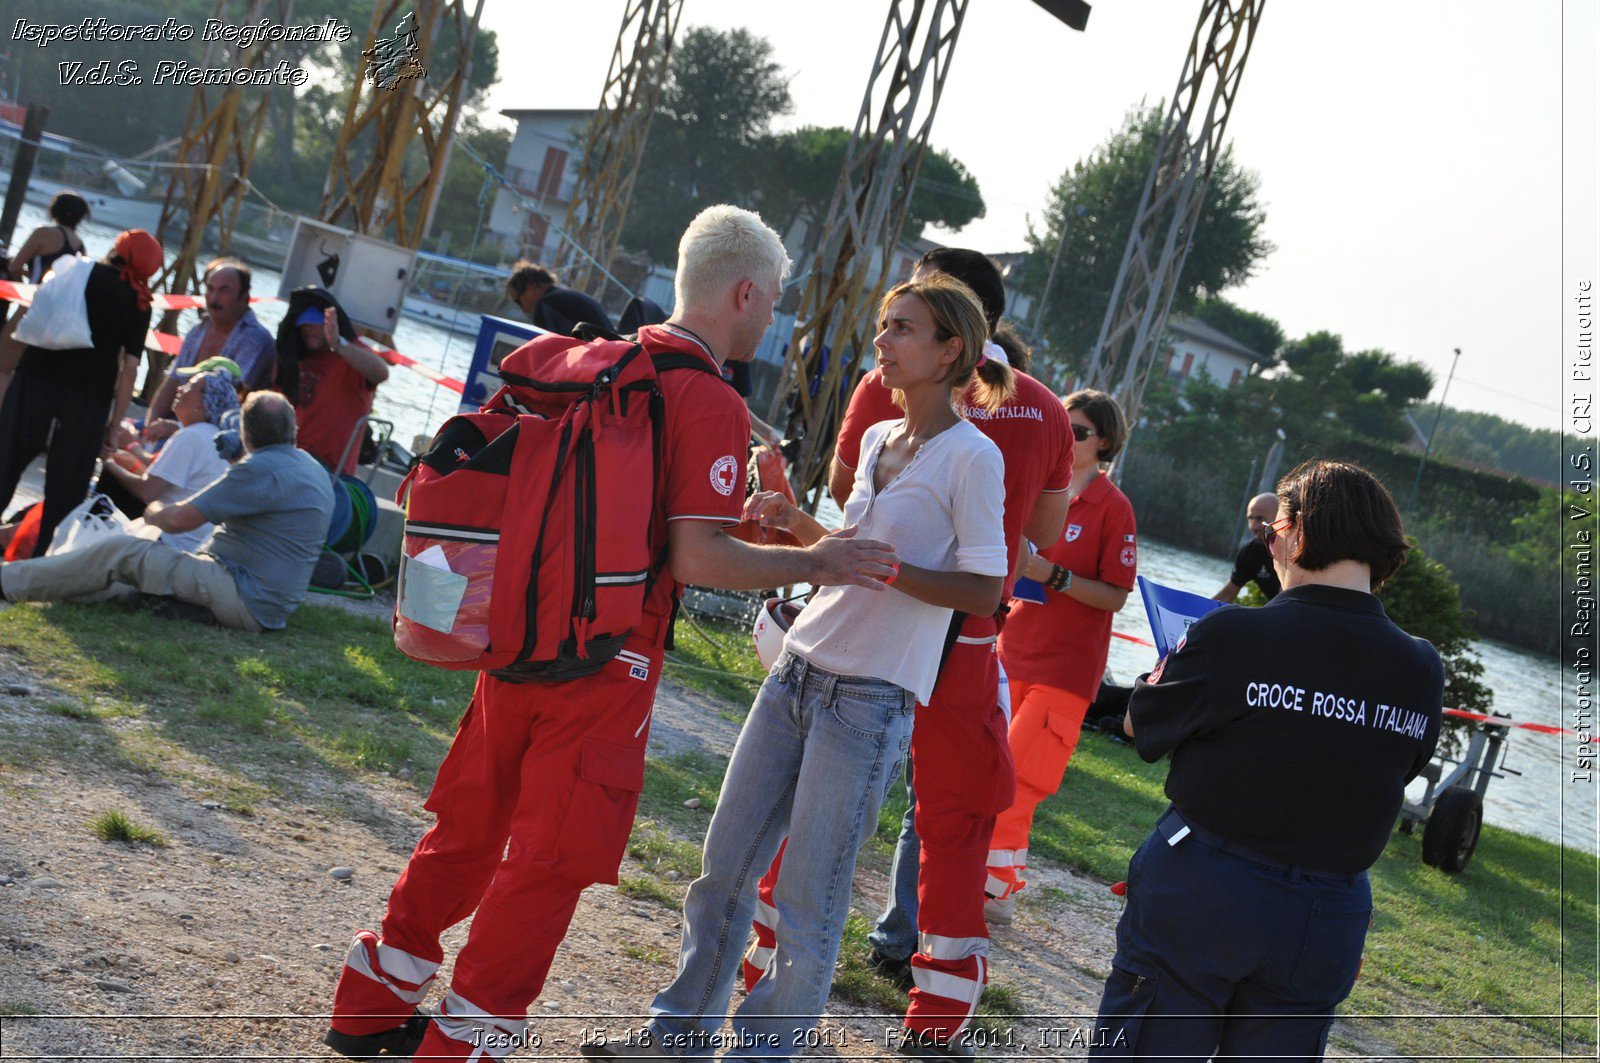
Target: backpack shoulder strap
{"points": [[591, 331], [678, 360]]}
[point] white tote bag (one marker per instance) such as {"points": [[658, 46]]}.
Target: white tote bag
{"points": [[58, 320], [93, 519]]}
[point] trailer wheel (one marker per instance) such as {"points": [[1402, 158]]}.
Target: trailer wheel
{"points": [[1452, 831]]}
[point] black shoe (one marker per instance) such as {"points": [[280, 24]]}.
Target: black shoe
{"points": [[402, 1040], [896, 971], [920, 1045]]}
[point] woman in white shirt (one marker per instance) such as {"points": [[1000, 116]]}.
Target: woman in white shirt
{"points": [[187, 462], [830, 727]]}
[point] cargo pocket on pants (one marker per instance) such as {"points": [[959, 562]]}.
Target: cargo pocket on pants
{"points": [[1123, 1007], [1044, 761], [595, 832], [463, 761]]}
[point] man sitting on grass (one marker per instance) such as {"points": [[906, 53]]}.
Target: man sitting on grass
{"points": [[271, 512]]}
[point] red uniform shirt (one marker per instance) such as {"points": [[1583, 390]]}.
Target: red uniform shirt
{"points": [[703, 441], [1031, 430], [333, 397], [1063, 642]]}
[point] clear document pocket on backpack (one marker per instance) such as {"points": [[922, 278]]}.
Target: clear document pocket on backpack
{"points": [[442, 611], [431, 594]]}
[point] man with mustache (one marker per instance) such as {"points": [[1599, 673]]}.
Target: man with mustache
{"points": [[229, 329]]}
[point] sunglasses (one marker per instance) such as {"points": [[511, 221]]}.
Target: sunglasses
{"points": [[1269, 534], [1081, 433]]}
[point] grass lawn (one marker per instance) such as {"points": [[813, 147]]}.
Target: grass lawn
{"points": [[253, 712]]}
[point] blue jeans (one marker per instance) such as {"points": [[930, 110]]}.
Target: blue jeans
{"points": [[813, 763], [895, 934]]}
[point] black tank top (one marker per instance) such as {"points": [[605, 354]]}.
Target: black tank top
{"points": [[41, 262]]}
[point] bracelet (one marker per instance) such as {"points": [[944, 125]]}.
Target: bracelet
{"points": [[893, 575], [1060, 579]]}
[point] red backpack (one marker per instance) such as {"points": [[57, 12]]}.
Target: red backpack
{"points": [[527, 548]]}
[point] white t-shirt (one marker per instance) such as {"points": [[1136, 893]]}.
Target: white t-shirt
{"points": [[188, 462], [943, 512]]}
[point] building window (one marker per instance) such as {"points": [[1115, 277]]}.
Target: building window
{"points": [[555, 165], [1188, 363], [1238, 375]]}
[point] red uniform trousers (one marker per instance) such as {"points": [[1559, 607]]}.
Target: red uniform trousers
{"points": [[962, 767], [553, 769], [1045, 725]]}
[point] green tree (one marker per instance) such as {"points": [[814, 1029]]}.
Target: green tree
{"points": [[1364, 394], [1101, 195], [1540, 532], [801, 170], [1424, 599], [1501, 443], [723, 90], [1259, 332]]}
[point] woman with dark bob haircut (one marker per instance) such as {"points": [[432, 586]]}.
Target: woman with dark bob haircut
{"points": [[1293, 730]]}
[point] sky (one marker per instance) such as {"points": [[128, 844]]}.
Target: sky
{"points": [[1428, 168]]}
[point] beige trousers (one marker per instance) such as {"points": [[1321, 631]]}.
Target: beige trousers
{"points": [[139, 564]]}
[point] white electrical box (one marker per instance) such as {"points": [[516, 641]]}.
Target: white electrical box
{"points": [[368, 276]]}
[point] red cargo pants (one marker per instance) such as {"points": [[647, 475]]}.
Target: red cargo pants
{"points": [[534, 802]]}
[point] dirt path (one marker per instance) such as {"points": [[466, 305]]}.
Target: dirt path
{"points": [[228, 941]]}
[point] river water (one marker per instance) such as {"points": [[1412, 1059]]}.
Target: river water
{"points": [[1539, 801]]}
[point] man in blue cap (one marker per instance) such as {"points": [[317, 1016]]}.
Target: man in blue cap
{"points": [[330, 378]]}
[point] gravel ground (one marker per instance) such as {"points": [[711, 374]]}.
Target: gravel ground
{"points": [[227, 942]]}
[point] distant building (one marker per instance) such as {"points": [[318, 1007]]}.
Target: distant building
{"points": [[1019, 306], [542, 165], [1197, 348]]}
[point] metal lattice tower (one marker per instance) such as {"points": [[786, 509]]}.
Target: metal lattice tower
{"points": [[863, 225], [1190, 144], [217, 149], [616, 137], [368, 189]]}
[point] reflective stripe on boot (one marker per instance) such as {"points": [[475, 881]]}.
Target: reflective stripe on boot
{"points": [[759, 955], [379, 987], [948, 976], [1005, 872], [463, 1031]]}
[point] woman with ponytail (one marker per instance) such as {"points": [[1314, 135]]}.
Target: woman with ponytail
{"points": [[831, 724], [67, 403]]}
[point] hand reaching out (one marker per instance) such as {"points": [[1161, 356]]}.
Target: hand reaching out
{"points": [[842, 559]]}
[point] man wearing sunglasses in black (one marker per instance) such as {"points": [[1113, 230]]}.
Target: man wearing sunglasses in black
{"points": [[1254, 560]]}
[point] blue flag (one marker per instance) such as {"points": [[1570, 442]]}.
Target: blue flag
{"points": [[1171, 611]]}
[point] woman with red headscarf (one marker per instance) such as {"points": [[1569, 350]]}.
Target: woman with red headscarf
{"points": [[83, 392]]}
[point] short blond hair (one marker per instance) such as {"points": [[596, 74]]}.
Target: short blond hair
{"points": [[723, 246]]}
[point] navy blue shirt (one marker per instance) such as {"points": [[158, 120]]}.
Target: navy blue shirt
{"points": [[561, 309], [1294, 727]]}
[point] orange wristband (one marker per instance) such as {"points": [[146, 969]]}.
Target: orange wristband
{"points": [[893, 575]]}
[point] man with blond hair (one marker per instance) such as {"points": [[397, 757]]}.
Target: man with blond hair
{"points": [[555, 769]]}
